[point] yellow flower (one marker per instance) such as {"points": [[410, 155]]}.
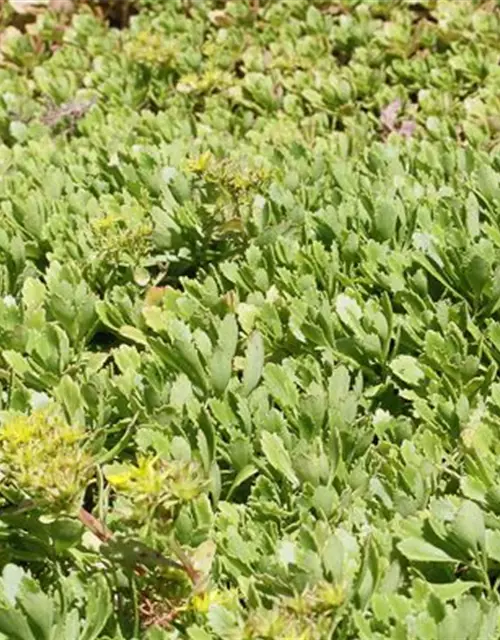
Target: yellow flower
{"points": [[107, 222], [44, 456], [201, 602], [151, 482], [200, 164], [330, 595], [120, 475]]}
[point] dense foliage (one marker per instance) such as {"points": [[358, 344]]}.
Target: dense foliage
{"points": [[250, 322]]}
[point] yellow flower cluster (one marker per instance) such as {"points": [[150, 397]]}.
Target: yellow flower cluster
{"points": [[201, 602], [148, 47], [142, 478], [230, 176], [153, 482], [44, 456]]}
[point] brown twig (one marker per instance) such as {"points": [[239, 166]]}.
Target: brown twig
{"points": [[94, 525], [72, 110], [145, 553], [153, 613]]}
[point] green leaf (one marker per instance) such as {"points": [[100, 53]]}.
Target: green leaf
{"points": [[254, 362], [195, 633], [33, 293], [221, 367], [38, 608], [68, 393], [12, 577], [324, 499], [245, 474], [16, 361], [333, 558], [453, 590], [127, 358], [133, 333], [202, 559], [492, 543], [478, 273], [338, 386], [207, 427], [215, 483], [228, 335], [385, 219], [180, 449], [221, 364], [155, 317], [468, 528], [369, 574], [68, 627], [280, 386], [487, 181], [190, 362], [349, 312], [98, 609], [419, 550], [472, 219], [222, 621], [277, 456], [14, 625], [202, 444], [407, 369]]}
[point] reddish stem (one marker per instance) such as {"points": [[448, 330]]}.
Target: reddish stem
{"points": [[95, 525]]}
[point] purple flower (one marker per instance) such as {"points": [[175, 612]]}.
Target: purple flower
{"points": [[389, 114], [407, 128]]}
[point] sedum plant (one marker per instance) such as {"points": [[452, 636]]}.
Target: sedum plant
{"points": [[249, 320]]}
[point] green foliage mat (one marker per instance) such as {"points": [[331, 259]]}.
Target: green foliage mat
{"points": [[250, 322]]}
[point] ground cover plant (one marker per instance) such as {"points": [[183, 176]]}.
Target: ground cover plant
{"points": [[250, 320]]}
